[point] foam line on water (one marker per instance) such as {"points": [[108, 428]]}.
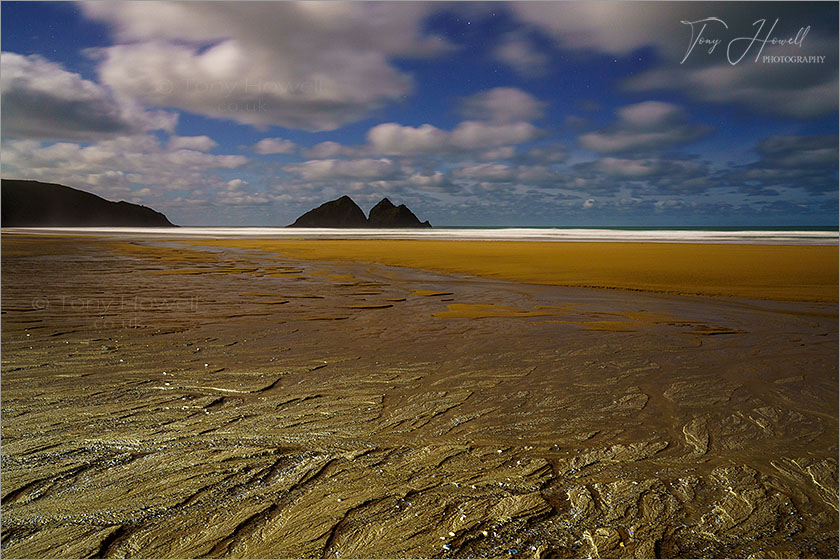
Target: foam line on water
{"points": [[789, 237]]}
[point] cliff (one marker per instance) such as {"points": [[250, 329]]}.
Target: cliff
{"points": [[36, 204]]}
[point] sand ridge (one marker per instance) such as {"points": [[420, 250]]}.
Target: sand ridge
{"points": [[185, 415]]}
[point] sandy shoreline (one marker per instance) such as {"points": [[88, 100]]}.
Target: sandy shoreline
{"points": [[207, 400], [776, 272]]}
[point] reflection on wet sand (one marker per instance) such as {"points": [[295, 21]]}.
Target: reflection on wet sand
{"points": [[163, 401]]}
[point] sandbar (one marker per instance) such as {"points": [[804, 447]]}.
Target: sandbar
{"points": [[774, 272]]}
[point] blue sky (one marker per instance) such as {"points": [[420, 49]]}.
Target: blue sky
{"points": [[483, 114]]}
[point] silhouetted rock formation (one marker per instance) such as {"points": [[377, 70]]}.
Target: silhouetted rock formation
{"points": [[36, 204], [340, 213], [386, 215], [343, 212]]}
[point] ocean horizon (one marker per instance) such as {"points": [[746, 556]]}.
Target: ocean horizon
{"points": [[775, 235]]}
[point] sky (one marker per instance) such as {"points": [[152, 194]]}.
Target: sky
{"points": [[560, 114]]}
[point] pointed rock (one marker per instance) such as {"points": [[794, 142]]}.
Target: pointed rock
{"points": [[386, 215], [339, 213]]}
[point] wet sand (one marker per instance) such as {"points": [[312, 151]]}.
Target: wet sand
{"points": [[779, 272], [243, 399]]}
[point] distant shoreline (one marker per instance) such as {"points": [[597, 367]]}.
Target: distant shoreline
{"points": [[736, 236]]}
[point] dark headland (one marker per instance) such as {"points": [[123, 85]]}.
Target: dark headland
{"points": [[345, 213], [386, 215], [36, 204], [342, 212]]}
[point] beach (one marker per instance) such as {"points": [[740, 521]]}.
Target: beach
{"points": [[259, 397], [797, 273]]}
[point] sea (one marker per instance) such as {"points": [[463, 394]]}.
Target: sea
{"points": [[799, 235]]}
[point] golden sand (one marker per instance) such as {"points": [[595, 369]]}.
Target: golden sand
{"points": [[483, 310], [191, 415], [776, 272], [429, 293]]}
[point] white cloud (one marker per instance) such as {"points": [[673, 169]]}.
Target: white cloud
{"points": [[41, 100], [616, 28], [400, 184], [233, 194], [111, 167], [309, 65], [503, 173], [330, 149], [650, 114], [642, 174], [192, 158], [472, 135], [799, 151], [628, 167], [486, 172], [274, 146], [394, 139], [495, 154], [520, 54], [644, 126], [799, 162], [435, 179], [227, 198], [535, 174], [502, 105], [325, 169], [200, 143]]}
